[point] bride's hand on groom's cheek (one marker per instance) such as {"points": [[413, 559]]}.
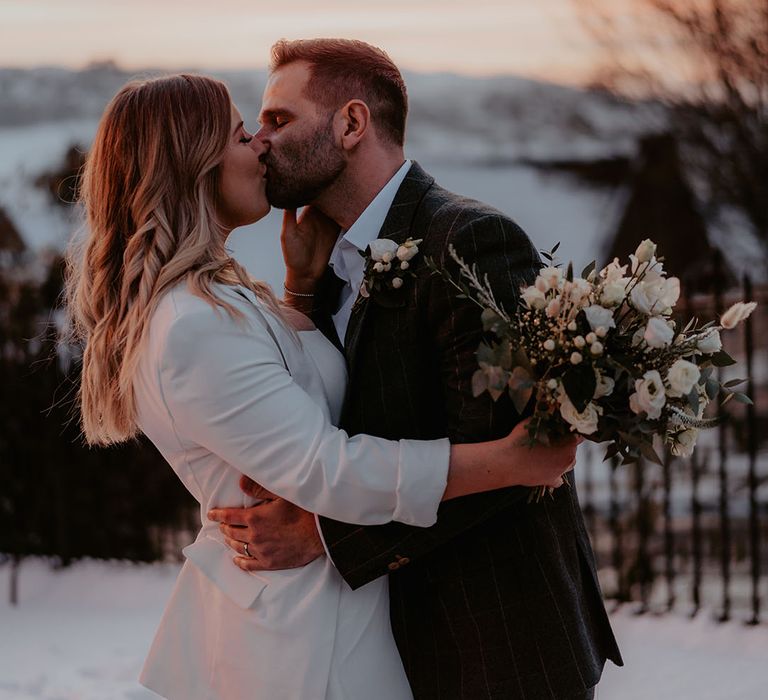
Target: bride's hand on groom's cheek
{"points": [[307, 244], [275, 534]]}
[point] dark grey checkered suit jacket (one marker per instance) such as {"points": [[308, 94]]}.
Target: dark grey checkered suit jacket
{"points": [[500, 598]]}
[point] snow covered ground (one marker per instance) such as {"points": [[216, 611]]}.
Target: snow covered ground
{"points": [[81, 634]]}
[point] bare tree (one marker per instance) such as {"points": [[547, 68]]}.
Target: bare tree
{"points": [[707, 60]]}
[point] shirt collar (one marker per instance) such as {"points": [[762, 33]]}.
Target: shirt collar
{"points": [[368, 225]]}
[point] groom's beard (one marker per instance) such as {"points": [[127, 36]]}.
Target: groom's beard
{"points": [[303, 170]]}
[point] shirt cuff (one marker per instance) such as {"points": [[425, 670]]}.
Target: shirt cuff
{"points": [[322, 539], [422, 478]]}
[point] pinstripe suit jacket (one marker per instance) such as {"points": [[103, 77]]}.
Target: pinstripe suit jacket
{"points": [[500, 598]]}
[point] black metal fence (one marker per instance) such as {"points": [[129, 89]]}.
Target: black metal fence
{"points": [[693, 534]]}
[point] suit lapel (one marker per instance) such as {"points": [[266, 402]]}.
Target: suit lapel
{"points": [[397, 227], [327, 304]]}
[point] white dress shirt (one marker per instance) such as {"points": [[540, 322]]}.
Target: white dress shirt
{"points": [[346, 261]]}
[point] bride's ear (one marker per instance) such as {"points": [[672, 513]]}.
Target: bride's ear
{"points": [[355, 120]]}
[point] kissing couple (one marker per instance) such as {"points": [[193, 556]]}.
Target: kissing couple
{"points": [[384, 544]]}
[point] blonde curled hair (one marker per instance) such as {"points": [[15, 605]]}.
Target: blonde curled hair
{"points": [[149, 190]]}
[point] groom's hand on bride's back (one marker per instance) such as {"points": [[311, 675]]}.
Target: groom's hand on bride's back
{"points": [[278, 534]]}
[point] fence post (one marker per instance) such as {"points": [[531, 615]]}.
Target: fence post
{"points": [[695, 534], [669, 537], [751, 431], [614, 525], [722, 439]]}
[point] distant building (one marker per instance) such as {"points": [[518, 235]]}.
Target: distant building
{"points": [[662, 206]]}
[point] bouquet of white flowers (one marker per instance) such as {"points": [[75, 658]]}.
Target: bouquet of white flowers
{"points": [[602, 356]]}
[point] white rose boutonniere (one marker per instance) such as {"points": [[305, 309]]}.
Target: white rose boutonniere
{"points": [[387, 265]]}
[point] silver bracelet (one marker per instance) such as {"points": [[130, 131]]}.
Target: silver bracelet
{"points": [[297, 294]]}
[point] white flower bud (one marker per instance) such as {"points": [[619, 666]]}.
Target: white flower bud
{"points": [[572, 326], [601, 331], [378, 267], [591, 337], [645, 251], [549, 345], [387, 266], [552, 384], [576, 358], [596, 348], [387, 257], [397, 282], [404, 265], [579, 341]]}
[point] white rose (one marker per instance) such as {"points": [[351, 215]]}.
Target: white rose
{"points": [[397, 282], [613, 293], [596, 348], [576, 358], [599, 317], [551, 276], [681, 377], [579, 341], [736, 314], [684, 442], [534, 298], [404, 265], [645, 251], [657, 333], [613, 271], [580, 290], [604, 386], [654, 297], [378, 267], [382, 247], [649, 396], [709, 343], [584, 422]]}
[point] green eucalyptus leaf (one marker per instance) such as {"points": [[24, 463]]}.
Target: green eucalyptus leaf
{"points": [[585, 272], [693, 400], [580, 383], [646, 448], [722, 359], [742, 398], [712, 387]]}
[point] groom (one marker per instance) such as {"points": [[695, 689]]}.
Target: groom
{"points": [[499, 599]]}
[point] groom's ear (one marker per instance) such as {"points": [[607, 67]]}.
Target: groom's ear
{"points": [[355, 120]]}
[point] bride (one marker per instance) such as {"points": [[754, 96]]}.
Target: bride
{"points": [[181, 345]]}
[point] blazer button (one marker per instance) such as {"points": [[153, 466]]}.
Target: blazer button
{"points": [[393, 566]]}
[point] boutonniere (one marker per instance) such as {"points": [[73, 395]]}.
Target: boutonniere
{"points": [[387, 265]]}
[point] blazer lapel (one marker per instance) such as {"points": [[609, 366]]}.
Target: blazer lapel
{"points": [[397, 227]]}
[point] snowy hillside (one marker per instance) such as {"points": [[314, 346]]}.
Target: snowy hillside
{"points": [[453, 118]]}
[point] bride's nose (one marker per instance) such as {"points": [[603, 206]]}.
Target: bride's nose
{"points": [[259, 147]]}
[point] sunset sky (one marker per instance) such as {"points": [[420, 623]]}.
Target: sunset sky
{"points": [[479, 37]]}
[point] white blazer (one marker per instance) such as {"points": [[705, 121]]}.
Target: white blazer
{"points": [[216, 398]]}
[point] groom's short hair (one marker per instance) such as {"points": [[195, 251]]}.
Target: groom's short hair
{"points": [[347, 69]]}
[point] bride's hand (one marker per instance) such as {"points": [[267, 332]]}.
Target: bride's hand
{"points": [[307, 244]]}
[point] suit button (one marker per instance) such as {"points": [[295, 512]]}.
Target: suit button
{"points": [[402, 560], [393, 566]]}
